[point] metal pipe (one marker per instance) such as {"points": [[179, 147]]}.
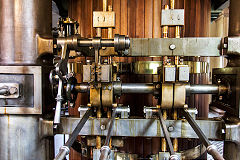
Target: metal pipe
{"points": [[149, 88], [82, 87], [64, 150], [137, 88], [234, 18], [202, 89]]}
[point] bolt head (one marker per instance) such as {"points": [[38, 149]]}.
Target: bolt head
{"points": [[172, 46], [13, 90], [170, 128], [102, 127]]}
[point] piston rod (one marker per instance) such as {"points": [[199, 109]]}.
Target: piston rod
{"points": [[211, 149], [65, 149], [105, 150], [167, 137], [149, 88]]}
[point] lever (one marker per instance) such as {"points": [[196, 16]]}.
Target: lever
{"points": [[211, 149], [65, 149], [173, 156], [105, 150]]}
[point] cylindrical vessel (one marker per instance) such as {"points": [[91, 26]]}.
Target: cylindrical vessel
{"points": [[22, 21], [20, 139], [234, 18]]}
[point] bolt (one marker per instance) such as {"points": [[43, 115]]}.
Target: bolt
{"points": [[170, 128], [102, 127], [225, 46], [172, 46], [223, 131], [13, 90]]}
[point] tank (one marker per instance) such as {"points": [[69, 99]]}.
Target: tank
{"points": [[21, 22]]}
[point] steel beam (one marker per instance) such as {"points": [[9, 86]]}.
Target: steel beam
{"points": [[143, 127], [182, 46]]}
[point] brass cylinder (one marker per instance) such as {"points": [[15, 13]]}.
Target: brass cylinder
{"points": [[164, 145], [175, 144], [98, 142], [99, 32], [177, 32], [172, 4]]}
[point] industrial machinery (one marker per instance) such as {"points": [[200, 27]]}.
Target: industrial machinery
{"points": [[37, 87]]}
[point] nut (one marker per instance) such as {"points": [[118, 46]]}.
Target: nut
{"points": [[170, 128], [172, 46], [102, 127]]}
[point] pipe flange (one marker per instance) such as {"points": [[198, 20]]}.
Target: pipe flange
{"points": [[121, 42]]}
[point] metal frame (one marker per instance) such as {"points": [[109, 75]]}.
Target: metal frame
{"points": [[143, 128], [36, 71], [182, 46]]}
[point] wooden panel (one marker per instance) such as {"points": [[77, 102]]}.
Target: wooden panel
{"points": [[156, 18], [124, 17], [131, 18], [148, 18], [117, 10], [140, 19]]}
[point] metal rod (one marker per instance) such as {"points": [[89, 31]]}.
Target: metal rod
{"points": [[59, 99], [211, 149], [149, 88], [105, 150], [64, 150], [166, 133], [202, 89], [110, 127], [137, 88]]}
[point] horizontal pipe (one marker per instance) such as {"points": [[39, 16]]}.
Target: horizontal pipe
{"points": [[202, 89], [82, 87], [90, 42], [147, 88]]}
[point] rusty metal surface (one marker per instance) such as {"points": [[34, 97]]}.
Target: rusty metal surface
{"points": [[143, 128]]}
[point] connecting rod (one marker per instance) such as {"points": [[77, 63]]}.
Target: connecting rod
{"points": [[211, 149], [65, 149], [105, 150]]}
